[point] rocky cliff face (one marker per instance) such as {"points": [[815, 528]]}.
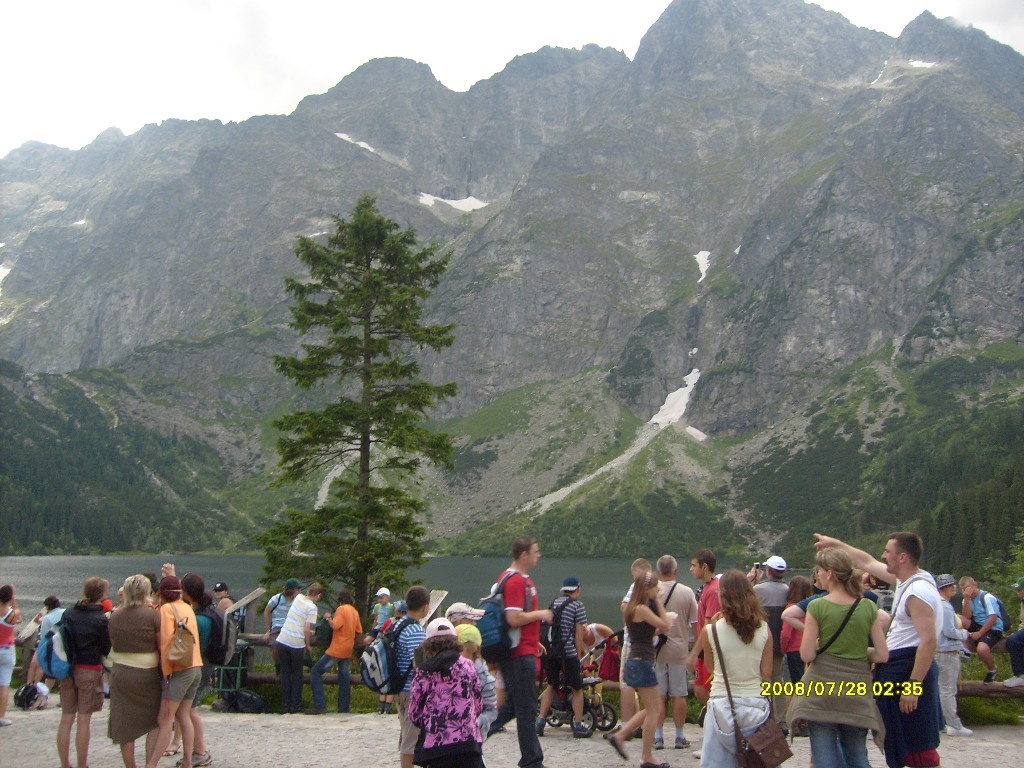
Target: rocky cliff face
{"points": [[853, 192]]}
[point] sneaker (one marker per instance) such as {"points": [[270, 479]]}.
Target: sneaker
{"points": [[315, 711], [659, 743], [696, 755], [4, 722], [990, 676], [386, 709], [540, 726], [951, 731], [1014, 682], [579, 731], [682, 742], [200, 760]]}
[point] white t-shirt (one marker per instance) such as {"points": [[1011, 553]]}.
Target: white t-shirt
{"points": [[302, 612], [902, 633]]}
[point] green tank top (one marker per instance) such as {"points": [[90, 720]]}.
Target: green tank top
{"points": [[853, 642]]}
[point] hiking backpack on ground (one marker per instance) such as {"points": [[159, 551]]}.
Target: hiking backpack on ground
{"points": [[496, 642], [55, 652], [32, 696], [551, 634], [223, 635], [378, 666]]}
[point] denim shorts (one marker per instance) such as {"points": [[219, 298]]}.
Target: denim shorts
{"points": [[640, 674]]}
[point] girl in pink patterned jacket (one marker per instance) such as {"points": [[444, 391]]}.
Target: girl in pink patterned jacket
{"points": [[444, 702]]}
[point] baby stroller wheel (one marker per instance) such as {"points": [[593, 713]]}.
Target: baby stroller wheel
{"points": [[605, 717]]}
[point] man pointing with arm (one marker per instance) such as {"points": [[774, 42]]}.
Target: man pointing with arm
{"points": [[907, 685]]}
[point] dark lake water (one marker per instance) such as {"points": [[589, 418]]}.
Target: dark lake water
{"points": [[604, 580]]}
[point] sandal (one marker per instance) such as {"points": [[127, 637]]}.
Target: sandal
{"points": [[645, 764], [172, 752], [610, 738]]}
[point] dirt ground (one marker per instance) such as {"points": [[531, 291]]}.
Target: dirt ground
{"points": [[370, 741]]}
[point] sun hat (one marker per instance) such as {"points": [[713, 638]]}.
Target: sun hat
{"points": [[458, 612], [439, 627], [944, 580], [776, 563], [468, 634]]}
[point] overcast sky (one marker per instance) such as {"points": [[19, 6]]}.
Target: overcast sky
{"points": [[72, 68]]}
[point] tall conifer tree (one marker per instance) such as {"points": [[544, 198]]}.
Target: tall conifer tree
{"points": [[360, 312]]}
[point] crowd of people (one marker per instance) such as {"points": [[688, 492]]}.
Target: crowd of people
{"points": [[865, 647]]}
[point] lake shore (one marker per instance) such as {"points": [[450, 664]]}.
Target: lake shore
{"points": [[371, 741]]}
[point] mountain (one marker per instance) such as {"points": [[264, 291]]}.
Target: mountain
{"points": [[807, 219]]}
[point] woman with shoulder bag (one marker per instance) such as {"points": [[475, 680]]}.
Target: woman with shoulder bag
{"points": [[182, 672], [742, 655], [838, 702]]}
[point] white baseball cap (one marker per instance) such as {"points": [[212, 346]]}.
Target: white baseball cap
{"points": [[440, 627], [776, 563], [383, 591]]}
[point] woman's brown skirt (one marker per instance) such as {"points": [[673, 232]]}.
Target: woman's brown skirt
{"points": [[134, 702]]}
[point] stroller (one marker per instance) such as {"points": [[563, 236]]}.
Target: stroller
{"points": [[597, 713]]}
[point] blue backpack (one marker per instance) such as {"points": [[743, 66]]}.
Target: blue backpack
{"points": [[495, 640], [55, 652]]}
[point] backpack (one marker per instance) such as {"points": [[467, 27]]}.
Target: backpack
{"points": [[551, 634], [378, 666], [610, 659], [223, 635], [245, 700], [496, 641], [322, 632], [1003, 613], [55, 652], [31, 696]]}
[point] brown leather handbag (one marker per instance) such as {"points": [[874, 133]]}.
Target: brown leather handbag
{"points": [[764, 748]]}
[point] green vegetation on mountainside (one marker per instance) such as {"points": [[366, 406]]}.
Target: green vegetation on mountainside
{"points": [[941, 453]]}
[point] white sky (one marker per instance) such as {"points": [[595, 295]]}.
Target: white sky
{"points": [[72, 68]]}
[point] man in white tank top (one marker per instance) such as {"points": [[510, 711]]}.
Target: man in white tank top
{"points": [[909, 681]]}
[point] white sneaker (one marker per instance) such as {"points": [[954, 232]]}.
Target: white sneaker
{"points": [[696, 755], [1014, 682], [951, 731]]}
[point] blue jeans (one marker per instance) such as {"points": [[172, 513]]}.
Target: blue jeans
{"points": [[520, 674], [838, 746], [316, 681]]}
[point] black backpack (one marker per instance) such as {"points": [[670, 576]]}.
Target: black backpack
{"points": [[551, 634], [26, 696], [245, 700], [223, 635]]}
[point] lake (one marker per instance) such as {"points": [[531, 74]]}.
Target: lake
{"points": [[604, 580]]}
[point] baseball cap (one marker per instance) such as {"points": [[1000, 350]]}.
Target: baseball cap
{"points": [[382, 592], [1020, 584], [440, 627], [401, 607], [468, 634], [571, 584], [294, 584], [220, 586], [462, 612], [776, 563], [944, 580]]}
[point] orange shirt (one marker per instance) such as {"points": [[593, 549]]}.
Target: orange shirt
{"points": [[346, 626], [167, 627]]}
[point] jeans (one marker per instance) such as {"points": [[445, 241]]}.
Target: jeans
{"points": [[838, 746], [520, 674], [316, 681], [1015, 646], [291, 677]]}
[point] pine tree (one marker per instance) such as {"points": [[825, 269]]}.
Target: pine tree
{"points": [[360, 312]]}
